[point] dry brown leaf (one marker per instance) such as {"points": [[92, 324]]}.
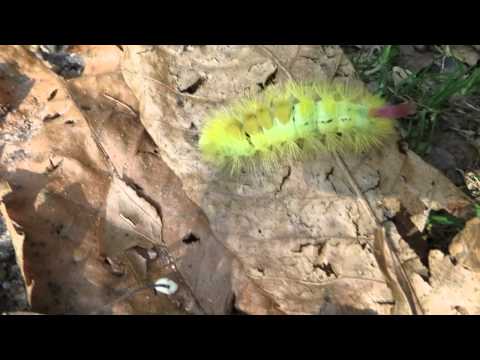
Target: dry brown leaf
{"points": [[272, 223], [66, 148], [452, 290], [134, 158], [465, 247]]}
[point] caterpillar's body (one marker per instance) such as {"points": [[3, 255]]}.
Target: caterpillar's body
{"points": [[295, 121]]}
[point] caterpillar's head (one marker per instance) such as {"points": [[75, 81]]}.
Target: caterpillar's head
{"points": [[394, 111]]}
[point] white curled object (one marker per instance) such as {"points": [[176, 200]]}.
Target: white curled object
{"points": [[166, 286]]}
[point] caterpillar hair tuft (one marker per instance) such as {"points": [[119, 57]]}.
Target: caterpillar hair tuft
{"points": [[296, 121]]}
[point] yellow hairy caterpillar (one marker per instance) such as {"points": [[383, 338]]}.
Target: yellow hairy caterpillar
{"points": [[295, 121]]}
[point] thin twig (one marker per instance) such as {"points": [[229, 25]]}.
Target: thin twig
{"points": [[294, 58], [471, 106], [122, 104], [338, 64], [373, 70], [401, 273], [356, 188], [278, 62]]}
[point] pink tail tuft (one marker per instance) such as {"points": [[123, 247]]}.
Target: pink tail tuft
{"points": [[394, 111]]}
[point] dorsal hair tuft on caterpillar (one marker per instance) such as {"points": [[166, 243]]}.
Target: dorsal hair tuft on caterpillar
{"points": [[296, 121]]}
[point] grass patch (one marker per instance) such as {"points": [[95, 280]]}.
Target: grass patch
{"points": [[441, 228], [440, 218], [431, 89]]}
